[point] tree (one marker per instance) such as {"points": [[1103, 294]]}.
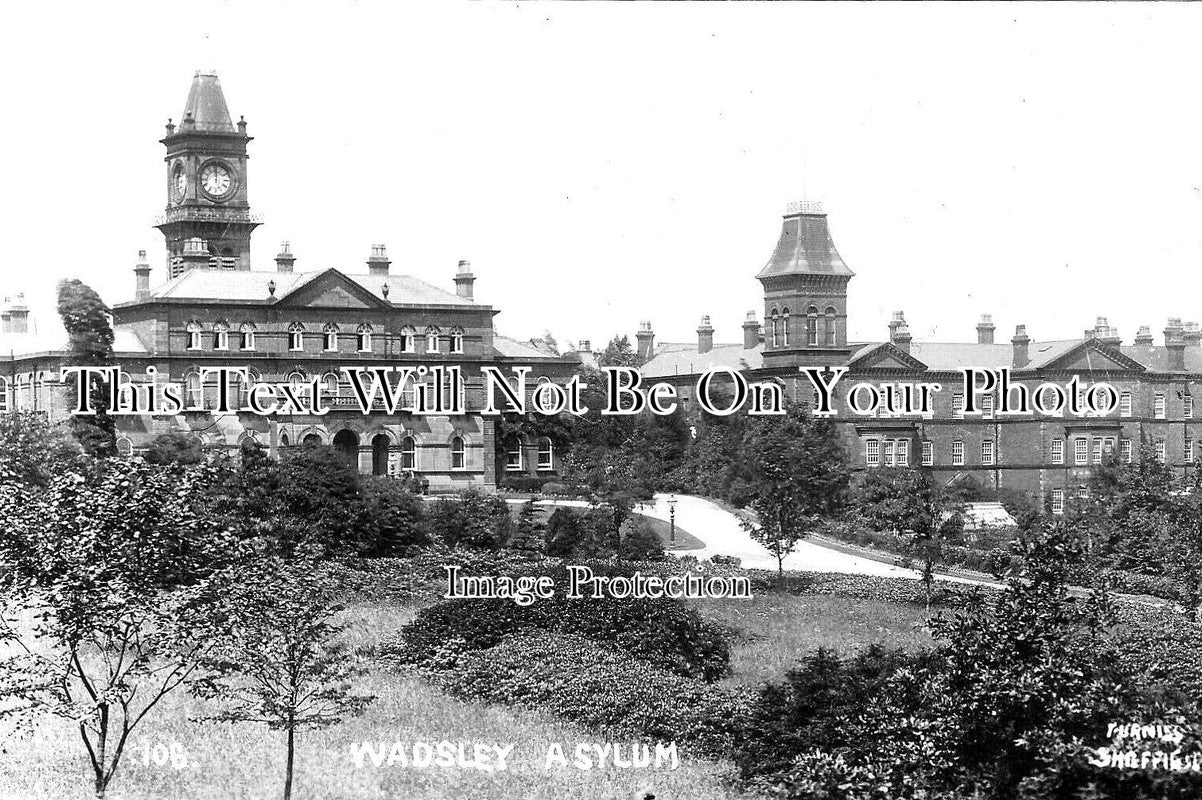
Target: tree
{"points": [[117, 568], [797, 471], [618, 353], [396, 516], [33, 450], [906, 502], [90, 342], [284, 664], [474, 519]]}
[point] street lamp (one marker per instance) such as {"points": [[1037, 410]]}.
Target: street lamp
{"points": [[672, 517]]}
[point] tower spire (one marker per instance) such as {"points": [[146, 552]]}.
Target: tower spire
{"points": [[205, 109]]}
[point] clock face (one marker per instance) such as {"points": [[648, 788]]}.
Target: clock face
{"points": [[181, 184], [215, 180]]}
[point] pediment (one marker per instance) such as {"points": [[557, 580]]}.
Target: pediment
{"points": [[332, 289], [1089, 356], [887, 356]]}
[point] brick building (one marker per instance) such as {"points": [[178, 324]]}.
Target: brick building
{"points": [[287, 325], [805, 284]]}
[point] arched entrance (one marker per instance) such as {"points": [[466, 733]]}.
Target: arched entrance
{"points": [[311, 440], [379, 454], [346, 442]]}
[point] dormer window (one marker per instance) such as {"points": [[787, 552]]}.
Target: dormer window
{"points": [[329, 338], [296, 336], [456, 340], [194, 336], [432, 333], [408, 336], [221, 336], [363, 338], [246, 336]]}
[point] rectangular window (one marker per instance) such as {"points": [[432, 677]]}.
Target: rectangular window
{"points": [[1082, 492], [513, 457], [903, 452], [1097, 450], [1162, 451], [1125, 404], [1057, 501], [1158, 409], [406, 342], [888, 448], [1057, 451], [296, 340], [957, 454], [1187, 406], [1125, 450], [872, 452], [1081, 451], [957, 406], [928, 453], [1108, 445], [1188, 450], [987, 452], [987, 407]]}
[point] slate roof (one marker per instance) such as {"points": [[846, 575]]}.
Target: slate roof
{"points": [[509, 347], [52, 338], [805, 247], [227, 284], [683, 359], [206, 104]]}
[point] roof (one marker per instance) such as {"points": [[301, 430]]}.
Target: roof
{"points": [[512, 348], [1156, 359], [206, 104], [805, 247], [681, 359], [226, 284], [52, 338]]}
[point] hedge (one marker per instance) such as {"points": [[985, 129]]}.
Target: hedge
{"points": [[524, 484]]}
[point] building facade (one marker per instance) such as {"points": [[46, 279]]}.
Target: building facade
{"points": [[286, 325], [805, 284]]}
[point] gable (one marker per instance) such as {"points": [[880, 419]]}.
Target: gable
{"points": [[887, 356], [1090, 356], [332, 289]]}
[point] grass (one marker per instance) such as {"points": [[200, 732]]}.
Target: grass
{"points": [[684, 539], [776, 630], [245, 762]]}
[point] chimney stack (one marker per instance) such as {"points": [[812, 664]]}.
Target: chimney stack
{"points": [[465, 281], [1143, 337], [1175, 344], [142, 277], [646, 340], [1104, 333], [284, 260], [195, 254], [1192, 334], [898, 321], [585, 346], [985, 329], [378, 263], [705, 336], [751, 331], [1022, 347], [14, 317]]}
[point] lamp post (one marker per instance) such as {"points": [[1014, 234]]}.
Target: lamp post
{"points": [[672, 518]]}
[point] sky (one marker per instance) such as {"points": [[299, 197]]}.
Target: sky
{"points": [[607, 163]]}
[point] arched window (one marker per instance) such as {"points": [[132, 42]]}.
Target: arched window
{"points": [[237, 392], [458, 456], [513, 456], [432, 334], [812, 326], [194, 336], [784, 325], [363, 338], [831, 336], [5, 402], [296, 336], [246, 334], [125, 448], [284, 440], [329, 337], [296, 379], [456, 340], [193, 395], [379, 454], [408, 453], [408, 337], [221, 336], [775, 328], [546, 453], [329, 384]]}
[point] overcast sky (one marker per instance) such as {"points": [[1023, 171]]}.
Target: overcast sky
{"points": [[603, 163]]}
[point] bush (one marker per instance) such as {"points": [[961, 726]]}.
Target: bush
{"points": [[600, 687], [1137, 583], [566, 490], [174, 448], [474, 519], [396, 518], [523, 484]]}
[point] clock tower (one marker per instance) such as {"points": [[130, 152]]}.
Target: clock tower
{"points": [[207, 206]]}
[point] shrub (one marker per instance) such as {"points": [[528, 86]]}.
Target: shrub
{"points": [[474, 519], [600, 687], [396, 518], [523, 483], [566, 490]]}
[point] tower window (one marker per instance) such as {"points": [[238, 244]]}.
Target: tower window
{"points": [[296, 336], [363, 338], [812, 326], [831, 335], [329, 338], [246, 336], [784, 326], [775, 328]]}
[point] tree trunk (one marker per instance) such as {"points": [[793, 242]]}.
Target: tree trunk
{"points": [[288, 767]]}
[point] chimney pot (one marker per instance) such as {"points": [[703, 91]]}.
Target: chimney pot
{"points": [[284, 260], [705, 336], [378, 263], [985, 329]]}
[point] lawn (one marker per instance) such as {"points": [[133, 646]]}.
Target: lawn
{"points": [[246, 762]]}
